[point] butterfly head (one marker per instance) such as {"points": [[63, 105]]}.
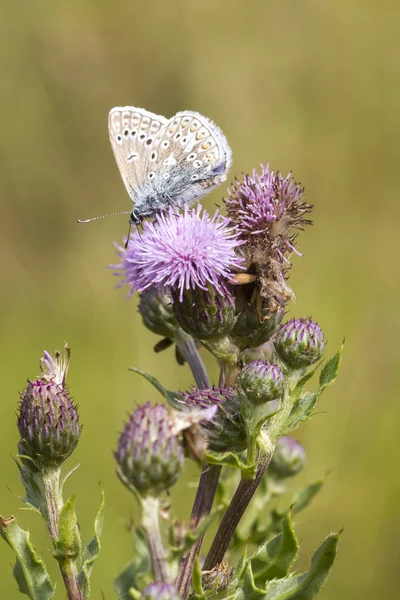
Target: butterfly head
{"points": [[135, 219]]}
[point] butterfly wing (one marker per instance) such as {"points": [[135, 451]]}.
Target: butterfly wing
{"points": [[132, 130]]}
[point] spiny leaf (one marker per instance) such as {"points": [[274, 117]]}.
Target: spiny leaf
{"points": [[330, 370], [305, 496], [171, 397], [29, 570], [91, 551], [68, 544], [274, 558], [307, 585]]}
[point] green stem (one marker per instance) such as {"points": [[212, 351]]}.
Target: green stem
{"points": [[49, 484], [187, 346], [204, 497], [151, 528]]}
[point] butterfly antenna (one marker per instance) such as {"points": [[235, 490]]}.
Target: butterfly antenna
{"points": [[103, 217], [128, 236]]}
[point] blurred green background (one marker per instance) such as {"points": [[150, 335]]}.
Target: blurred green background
{"points": [[309, 86]]}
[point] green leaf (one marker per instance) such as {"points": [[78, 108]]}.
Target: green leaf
{"points": [[29, 570], [307, 585], [233, 460], [330, 370], [196, 579], [302, 410], [91, 552], [274, 558], [171, 397], [68, 544], [306, 495], [250, 591], [124, 582]]}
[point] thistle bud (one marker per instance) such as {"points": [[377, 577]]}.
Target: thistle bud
{"points": [[160, 591], [300, 342], [156, 311], [225, 431], [205, 313], [48, 421], [288, 459], [149, 456], [261, 381], [252, 330]]}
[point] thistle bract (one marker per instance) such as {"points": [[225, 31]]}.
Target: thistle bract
{"points": [[149, 456], [252, 330], [48, 421], [156, 311], [205, 314], [288, 459], [300, 342], [160, 591], [261, 381], [225, 430]]}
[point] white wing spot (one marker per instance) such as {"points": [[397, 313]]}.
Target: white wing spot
{"points": [[197, 163], [119, 138], [151, 175], [133, 156], [165, 144], [166, 175], [133, 132], [194, 177], [191, 156], [153, 156]]}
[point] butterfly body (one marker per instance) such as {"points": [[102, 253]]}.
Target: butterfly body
{"points": [[165, 162]]}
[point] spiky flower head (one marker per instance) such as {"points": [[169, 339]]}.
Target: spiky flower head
{"points": [[206, 314], [300, 342], [48, 420], [288, 459], [226, 430], [268, 209], [150, 452], [160, 591], [149, 456], [252, 329], [182, 251], [261, 381]]}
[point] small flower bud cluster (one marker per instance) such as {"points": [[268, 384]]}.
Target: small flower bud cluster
{"points": [[48, 420], [300, 343], [225, 431], [149, 455], [261, 381], [288, 459]]}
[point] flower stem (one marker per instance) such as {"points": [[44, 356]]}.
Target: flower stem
{"points": [[151, 528], [49, 485], [240, 501], [187, 346], [204, 498]]}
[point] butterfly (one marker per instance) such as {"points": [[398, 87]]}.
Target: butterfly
{"points": [[167, 162]]}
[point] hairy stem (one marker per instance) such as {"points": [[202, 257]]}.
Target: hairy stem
{"points": [[187, 346], [49, 484], [151, 528], [204, 498]]}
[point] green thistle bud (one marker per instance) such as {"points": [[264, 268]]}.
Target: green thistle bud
{"points": [[205, 314], [261, 382], [48, 421], [156, 312], [300, 342], [160, 591], [149, 456], [252, 330], [225, 431], [288, 459]]}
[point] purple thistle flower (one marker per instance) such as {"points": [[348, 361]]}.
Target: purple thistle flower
{"points": [[300, 342], [267, 209], [181, 251], [289, 458]]}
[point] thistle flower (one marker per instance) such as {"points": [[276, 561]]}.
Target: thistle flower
{"points": [[156, 312], [267, 209], [225, 430], [288, 459], [48, 421], [300, 342], [149, 456], [181, 251], [261, 382]]}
